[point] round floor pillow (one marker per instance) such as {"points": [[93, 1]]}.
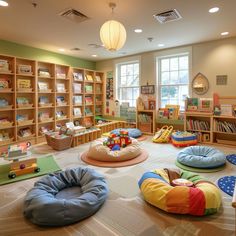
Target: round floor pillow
{"points": [[86, 191], [203, 198], [201, 157], [98, 151], [132, 132]]}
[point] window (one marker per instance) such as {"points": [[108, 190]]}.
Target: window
{"points": [[173, 80], [128, 82]]}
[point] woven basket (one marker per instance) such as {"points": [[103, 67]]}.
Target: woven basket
{"points": [[59, 144]]}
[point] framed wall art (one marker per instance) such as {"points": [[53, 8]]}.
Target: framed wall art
{"points": [[148, 89]]}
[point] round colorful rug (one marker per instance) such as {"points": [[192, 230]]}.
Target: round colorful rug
{"points": [[227, 184], [231, 158]]}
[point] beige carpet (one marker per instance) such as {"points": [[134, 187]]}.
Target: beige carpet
{"points": [[124, 213]]}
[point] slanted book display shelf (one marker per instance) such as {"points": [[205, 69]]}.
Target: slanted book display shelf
{"points": [[37, 96]]}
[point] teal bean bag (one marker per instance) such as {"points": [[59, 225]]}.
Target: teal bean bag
{"points": [[65, 197], [132, 132], [201, 157]]}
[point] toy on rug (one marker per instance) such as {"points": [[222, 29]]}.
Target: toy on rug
{"points": [[113, 141], [183, 139], [163, 135], [204, 198], [132, 132], [15, 153], [115, 148]]}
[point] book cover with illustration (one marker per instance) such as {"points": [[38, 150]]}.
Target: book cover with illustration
{"points": [[23, 83], [77, 100], [77, 88], [78, 76]]}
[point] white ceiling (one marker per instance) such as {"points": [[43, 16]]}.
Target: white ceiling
{"points": [[42, 27]]}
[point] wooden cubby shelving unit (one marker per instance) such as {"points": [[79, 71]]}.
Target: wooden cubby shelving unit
{"points": [[146, 121], [212, 134], [50, 97]]}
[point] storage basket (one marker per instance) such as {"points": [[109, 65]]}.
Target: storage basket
{"points": [[59, 144]]}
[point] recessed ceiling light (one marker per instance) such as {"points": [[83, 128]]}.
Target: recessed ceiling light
{"points": [[138, 30], [214, 9], [161, 45], [61, 49], [3, 3], [224, 33], [94, 55]]}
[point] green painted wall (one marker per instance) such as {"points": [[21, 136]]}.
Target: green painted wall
{"points": [[19, 50]]}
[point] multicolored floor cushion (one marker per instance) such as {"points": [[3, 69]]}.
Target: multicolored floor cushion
{"points": [[231, 158], [201, 157], [183, 139], [65, 197], [227, 184], [202, 199], [98, 151], [132, 132]]}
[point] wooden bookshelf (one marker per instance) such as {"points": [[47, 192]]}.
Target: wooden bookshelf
{"points": [[146, 121], [40, 96]]}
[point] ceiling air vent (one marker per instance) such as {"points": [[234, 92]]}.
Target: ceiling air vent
{"points": [[74, 15], [168, 16]]}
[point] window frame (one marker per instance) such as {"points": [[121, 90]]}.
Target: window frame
{"points": [[158, 67], [118, 79]]}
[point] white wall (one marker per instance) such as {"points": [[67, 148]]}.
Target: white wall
{"points": [[210, 58]]}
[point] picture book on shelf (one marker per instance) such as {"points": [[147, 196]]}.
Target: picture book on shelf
{"points": [[88, 111], [4, 66], [191, 104], [25, 69], [226, 109], [77, 100], [88, 100], [60, 100], [44, 72], [98, 78], [61, 75], [89, 78], [44, 129], [77, 111], [43, 100], [44, 115], [77, 88], [76, 129], [43, 86], [206, 104], [22, 100], [77, 76], [4, 83], [60, 114], [25, 132], [88, 88], [22, 117], [61, 87], [3, 102], [23, 83]]}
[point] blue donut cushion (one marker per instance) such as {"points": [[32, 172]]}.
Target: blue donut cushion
{"points": [[133, 132], [201, 157], [44, 207]]}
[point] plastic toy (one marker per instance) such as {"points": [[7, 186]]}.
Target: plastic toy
{"points": [[122, 140], [163, 135], [16, 152]]}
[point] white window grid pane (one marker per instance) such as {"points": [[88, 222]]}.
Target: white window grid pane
{"points": [[181, 81]]}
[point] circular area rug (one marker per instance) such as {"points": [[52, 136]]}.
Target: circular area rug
{"points": [[227, 184], [140, 158], [200, 170], [231, 158]]}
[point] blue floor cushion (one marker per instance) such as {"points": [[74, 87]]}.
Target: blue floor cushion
{"points": [[226, 184], [133, 132], [231, 158], [65, 197], [201, 157]]}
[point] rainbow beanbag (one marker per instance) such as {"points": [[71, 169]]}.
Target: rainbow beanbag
{"points": [[183, 139], [203, 198]]}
